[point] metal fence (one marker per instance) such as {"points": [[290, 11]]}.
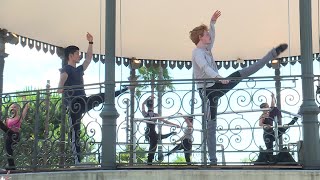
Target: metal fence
{"points": [[45, 136]]}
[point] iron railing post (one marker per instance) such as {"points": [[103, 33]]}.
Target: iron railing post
{"points": [[109, 113], [309, 109]]}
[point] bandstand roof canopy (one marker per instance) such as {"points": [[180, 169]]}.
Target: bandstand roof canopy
{"points": [[159, 29]]}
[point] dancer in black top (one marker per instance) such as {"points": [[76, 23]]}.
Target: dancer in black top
{"points": [[72, 85], [151, 134], [266, 121]]}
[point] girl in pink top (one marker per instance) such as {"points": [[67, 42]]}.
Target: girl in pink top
{"points": [[11, 127]]}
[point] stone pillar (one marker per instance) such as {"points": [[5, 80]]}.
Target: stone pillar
{"points": [[109, 113], [309, 109], [5, 37]]}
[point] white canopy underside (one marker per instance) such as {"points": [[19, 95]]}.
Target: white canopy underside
{"points": [[159, 29]]}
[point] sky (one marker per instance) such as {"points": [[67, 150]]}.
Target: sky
{"points": [[32, 68]]}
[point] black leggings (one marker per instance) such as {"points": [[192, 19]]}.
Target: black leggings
{"points": [[269, 135], [216, 91], [186, 145], [153, 142], [268, 138], [79, 106], [11, 139]]}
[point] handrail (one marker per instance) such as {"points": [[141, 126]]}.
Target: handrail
{"points": [[292, 114], [166, 117]]}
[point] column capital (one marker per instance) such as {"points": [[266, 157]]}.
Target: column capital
{"points": [[8, 37]]}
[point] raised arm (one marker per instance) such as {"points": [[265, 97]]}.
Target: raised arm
{"points": [[212, 30], [144, 104], [63, 78], [168, 122], [186, 119], [143, 107], [273, 101], [25, 109], [189, 124], [89, 55]]}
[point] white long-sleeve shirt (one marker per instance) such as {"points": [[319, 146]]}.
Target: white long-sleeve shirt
{"points": [[204, 65]]}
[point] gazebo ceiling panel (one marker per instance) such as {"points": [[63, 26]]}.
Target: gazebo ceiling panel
{"points": [[159, 29]]}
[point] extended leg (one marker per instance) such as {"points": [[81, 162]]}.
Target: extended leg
{"points": [[178, 147], [248, 71], [164, 136], [11, 139], [97, 99]]}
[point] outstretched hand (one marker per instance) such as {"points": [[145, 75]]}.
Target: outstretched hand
{"points": [[89, 37], [216, 15], [149, 98]]}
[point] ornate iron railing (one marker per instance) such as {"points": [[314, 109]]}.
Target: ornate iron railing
{"points": [[45, 142]]}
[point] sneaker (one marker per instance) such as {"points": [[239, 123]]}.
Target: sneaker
{"points": [[293, 121], [281, 48]]}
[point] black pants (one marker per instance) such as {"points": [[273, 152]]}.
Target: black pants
{"points": [[186, 145], [268, 138], [153, 142], [11, 138], [269, 135], [216, 91], [79, 106]]}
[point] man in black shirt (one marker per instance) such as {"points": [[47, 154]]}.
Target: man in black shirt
{"points": [[72, 85]]}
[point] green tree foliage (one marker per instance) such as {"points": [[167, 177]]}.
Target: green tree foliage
{"points": [[152, 73], [140, 155], [179, 160], [247, 161]]}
